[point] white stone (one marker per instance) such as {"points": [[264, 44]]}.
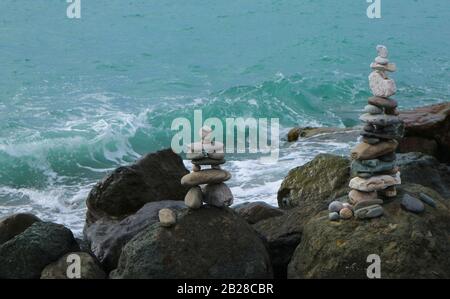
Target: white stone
{"points": [[381, 60], [390, 67], [380, 86], [382, 51], [194, 198], [167, 217]]}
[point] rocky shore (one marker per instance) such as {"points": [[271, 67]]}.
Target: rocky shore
{"points": [[124, 238]]}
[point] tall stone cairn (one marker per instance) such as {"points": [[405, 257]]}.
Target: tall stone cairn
{"points": [[373, 160]]}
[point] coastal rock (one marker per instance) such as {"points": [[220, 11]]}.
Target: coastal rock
{"points": [[380, 119], [155, 177], [207, 176], [356, 196], [206, 243], [372, 167], [371, 109], [194, 198], [381, 86], [374, 183], [89, 267], [335, 206], [430, 122], [107, 237], [412, 204], [364, 151], [383, 102], [218, 195], [419, 144], [425, 170], [253, 212], [27, 254], [340, 250], [369, 212], [325, 177], [13, 225]]}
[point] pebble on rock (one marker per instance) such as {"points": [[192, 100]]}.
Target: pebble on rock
{"points": [[218, 195], [346, 213], [334, 216], [368, 203], [167, 217], [412, 204], [369, 212], [427, 199], [335, 206]]}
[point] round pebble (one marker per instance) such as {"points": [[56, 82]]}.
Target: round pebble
{"points": [[334, 216], [373, 109], [346, 213], [427, 199], [412, 204], [167, 217], [335, 206], [194, 198]]}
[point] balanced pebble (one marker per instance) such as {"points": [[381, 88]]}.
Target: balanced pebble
{"points": [[167, 217]]}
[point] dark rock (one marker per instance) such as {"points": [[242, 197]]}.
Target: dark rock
{"points": [[108, 237], [427, 199], [371, 166], [27, 254], [410, 246], [325, 177], [383, 102], [254, 212], [205, 243], [418, 144], [89, 267], [430, 122], [425, 170], [155, 177], [13, 225], [412, 204]]}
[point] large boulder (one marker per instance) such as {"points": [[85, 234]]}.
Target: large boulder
{"points": [[27, 254], [427, 129], [325, 177], [425, 170], [206, 243], [155, 177], [89, 267], [409, 245], [13, 225], [107, 237], [254, 212]]}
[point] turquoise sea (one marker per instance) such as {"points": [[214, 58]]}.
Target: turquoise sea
{"points": [[79, 97]]}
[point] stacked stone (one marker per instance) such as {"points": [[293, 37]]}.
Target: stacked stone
{"points": [[374, 159], [207, 185]]}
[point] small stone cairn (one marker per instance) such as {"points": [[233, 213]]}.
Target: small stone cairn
{"points": [[373, 160]]}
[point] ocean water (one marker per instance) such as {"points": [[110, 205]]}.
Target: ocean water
{"points": [[81, 97]]}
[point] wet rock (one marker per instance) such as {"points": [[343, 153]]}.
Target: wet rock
{"points": [[13, 225], [253, 212]]}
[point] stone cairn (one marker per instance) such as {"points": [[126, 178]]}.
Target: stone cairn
{"points": [[213, 191], [373, 160]]}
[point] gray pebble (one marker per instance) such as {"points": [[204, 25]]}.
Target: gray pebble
{"points": [[412, 204], [428, 200], [334, 216], [335, 206], [369, 212]]}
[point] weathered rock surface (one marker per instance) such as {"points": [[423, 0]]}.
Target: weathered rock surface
{"points": [[89, 267], [425, 170], [409, 245], [13, 225], [27, 254], [205, 243], [323, 178], [155, 177], [108, 237], [254, 212], [430, 123]]}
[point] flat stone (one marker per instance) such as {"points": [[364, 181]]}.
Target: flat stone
{"points": [[207, 176], [390, 67], [369, 128], [167, 217], [381, 60], [218, 195], [383, 102], [381, 86], [372, 109], [380, 119], [359, 196], [382, 51], [372, 166], [365, 151], [427, 199], [412, 204], [383, 136], [334, 216], [346, 213], [368, 203], [208, 161], [194, 198], [370, 140], [391, 111], [374, 183], [369, 212], [335, 206], [204, 155], [388, 157]]}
